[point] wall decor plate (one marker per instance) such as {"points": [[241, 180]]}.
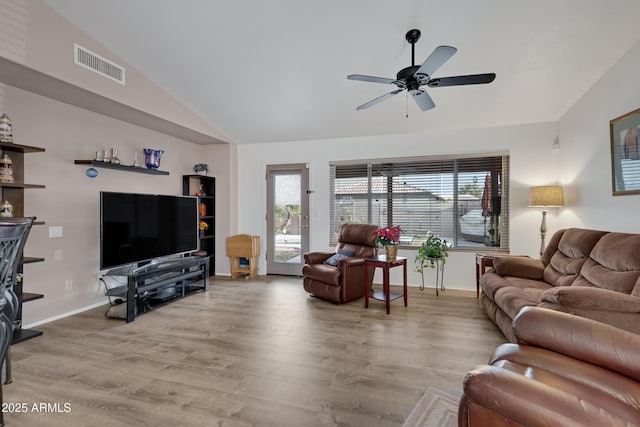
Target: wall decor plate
{"points": [[91, 173]]}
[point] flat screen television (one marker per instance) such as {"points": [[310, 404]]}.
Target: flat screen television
{"points": [[135, 228]]}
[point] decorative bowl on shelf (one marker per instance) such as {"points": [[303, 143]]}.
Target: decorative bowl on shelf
{"points": [[152, 158]]}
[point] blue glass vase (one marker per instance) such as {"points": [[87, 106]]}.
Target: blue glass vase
{"points": [[152, 158]]}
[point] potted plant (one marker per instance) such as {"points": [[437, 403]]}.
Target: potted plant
{"points": [[389, 237], [201, 168], [434, 248]]}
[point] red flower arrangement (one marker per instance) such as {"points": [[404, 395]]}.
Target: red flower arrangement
{"points": [[388, 235]]}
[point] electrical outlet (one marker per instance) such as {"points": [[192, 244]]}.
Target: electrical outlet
{"points": [[68, 285], [57, 255]]}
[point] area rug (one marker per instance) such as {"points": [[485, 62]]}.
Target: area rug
{"points": [[437, 408]]}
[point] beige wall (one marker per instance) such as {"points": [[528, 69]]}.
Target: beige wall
{"points": [[532, 163], [71, 199], [582, 165], [34, 36], [586, 156]]}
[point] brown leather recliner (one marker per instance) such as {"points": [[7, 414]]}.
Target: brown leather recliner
{"points": [[345, 281], [565, 370]]}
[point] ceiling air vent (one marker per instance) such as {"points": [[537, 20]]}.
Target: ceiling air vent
{"points": [[92, 61]]}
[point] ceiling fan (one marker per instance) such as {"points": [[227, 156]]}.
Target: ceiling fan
{"points": [[413, 77]]}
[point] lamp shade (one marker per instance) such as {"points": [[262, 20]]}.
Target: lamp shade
{"points": [[548, 196]]}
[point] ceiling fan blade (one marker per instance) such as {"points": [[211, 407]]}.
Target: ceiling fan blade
{"points": [[473, 79], [423, 99], [439, 56], [379, 99], [371, 79]]}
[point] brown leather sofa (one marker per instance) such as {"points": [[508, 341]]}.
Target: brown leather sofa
{"points": [[345, 281], [564, 370], [591, 273]]}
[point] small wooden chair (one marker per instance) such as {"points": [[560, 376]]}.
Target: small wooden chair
{"points": [[245, 248]]}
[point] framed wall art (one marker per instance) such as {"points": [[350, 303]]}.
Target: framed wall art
{"points": [[625, 153]]}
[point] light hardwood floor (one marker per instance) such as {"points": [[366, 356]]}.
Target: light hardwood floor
{"points": [[259, 352]]}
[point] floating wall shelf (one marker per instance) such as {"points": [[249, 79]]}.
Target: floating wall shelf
{"points": [[126, 168], [20, 185], [9, 146]]}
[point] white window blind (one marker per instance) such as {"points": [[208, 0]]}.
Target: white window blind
{"points": [[461, 199]]}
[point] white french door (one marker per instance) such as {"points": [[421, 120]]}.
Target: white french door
{"points": [[287, 218]]}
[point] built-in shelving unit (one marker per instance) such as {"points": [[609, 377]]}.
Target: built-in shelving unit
{"points": [[126, 168], [193, 185], [14, 193]]}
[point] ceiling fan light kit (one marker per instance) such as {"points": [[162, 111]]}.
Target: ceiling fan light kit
{"points": [[412, 78]]}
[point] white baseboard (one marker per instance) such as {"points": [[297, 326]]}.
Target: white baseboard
{"points": [[67, 314]]}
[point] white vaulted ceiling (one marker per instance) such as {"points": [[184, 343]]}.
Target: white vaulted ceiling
{"points": [[272, 71]]}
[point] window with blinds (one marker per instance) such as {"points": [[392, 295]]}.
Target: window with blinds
{"points": [[461, 199]]}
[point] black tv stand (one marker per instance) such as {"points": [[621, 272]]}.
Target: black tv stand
{"points": [[160, 281]]}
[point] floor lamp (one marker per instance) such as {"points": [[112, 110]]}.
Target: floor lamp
{"points": [[546, 197]]}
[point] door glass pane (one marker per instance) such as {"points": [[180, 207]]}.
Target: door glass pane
{"points": [[286, 227]]}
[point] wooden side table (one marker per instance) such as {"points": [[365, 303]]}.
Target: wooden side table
{"points": [[483, 261], [386, 295]]}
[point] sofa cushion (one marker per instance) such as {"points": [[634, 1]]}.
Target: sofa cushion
{"points": [[618, 251], [596, 275], [562, 270], [511, 299], [524, 267], [591, 298], [491, 282], [614, 264], [552, 247], [574, 248], [578, 243]]}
